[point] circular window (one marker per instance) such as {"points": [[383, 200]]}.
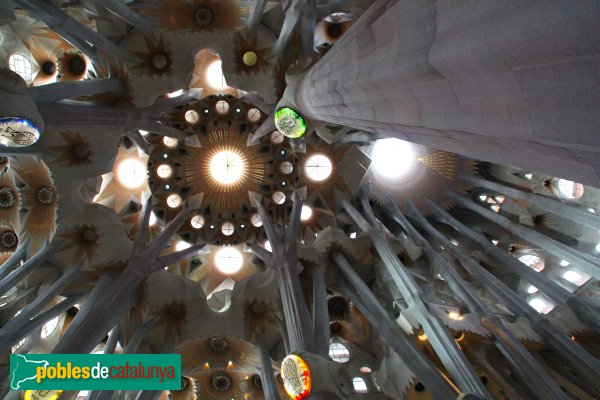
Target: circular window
{"points": [[131, 173], [20, 65], [532, 261], [226, 167], [570, 189], [170, 142], [278, 197], [197, 221], [318, 167], [250, 58], [222, 107], [192, 117], [227, 228], [164, 171], [174, 200], [306, 213], [286, 167], [256, 220], [276, 137], [290, 123], [339, 353], [228, 260], [254, 115]]}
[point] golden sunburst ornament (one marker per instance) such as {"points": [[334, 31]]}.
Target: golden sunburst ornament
{"points": [[224, 168]]}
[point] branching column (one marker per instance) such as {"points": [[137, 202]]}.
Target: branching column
{"points": [[584, 309], [585, 262], [285, 261], [361, 296], [439, 335], [95, 321], [573, 354], [542, 385]]}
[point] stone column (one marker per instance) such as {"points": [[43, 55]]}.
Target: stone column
{"points": [[503, 82], [361, 296], [584, 363], [266, 373], [439, 336], [586, 311], [284, 259], [523, 363], [585, 262], [320, 314], [68, 90], [566, 211]]}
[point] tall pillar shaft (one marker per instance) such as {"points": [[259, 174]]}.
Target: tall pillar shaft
{"points": [[505, 82], [566, 211]]}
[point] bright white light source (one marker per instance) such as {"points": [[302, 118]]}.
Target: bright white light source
{"points": [[182, 245], [540, 305], [533, 262], [49, 327], [278, 197], [227, 228], [360, 386], [164, 171], [392, 158], [170, 142], [318, 167], [267, 245], [339, 353], [131, 173], [455, 315], [20, 65], [532, 289], [229, 260], [214, 75], [174, 200], [176, 93], [570, 189], [152, 220], [306, 213], [226, 167], [564, 263], [575, 278], [352, 235], [256, 220], [598, 247], [143, 132], [197, 221]]}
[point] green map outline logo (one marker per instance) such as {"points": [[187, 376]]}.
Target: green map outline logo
{"points": [[13, 375]]}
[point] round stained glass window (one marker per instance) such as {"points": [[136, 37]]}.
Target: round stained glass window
{"points": [[18, 132], [290, 123]]}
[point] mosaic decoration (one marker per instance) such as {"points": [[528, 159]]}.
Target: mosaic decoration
{"points": [[296, 377], [290, 123], [18, 132]]}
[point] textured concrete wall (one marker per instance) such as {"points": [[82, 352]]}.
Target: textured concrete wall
{"points": [[513, 82]]}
